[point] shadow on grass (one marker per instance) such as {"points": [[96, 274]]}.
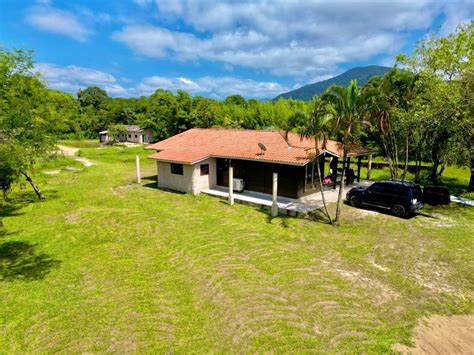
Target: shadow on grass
{"points": [[151, 178], [19, 261], [270, 219], [21, 199], [318, 216]]}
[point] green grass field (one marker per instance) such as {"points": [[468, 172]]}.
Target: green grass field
{"points": [[106, 265]]}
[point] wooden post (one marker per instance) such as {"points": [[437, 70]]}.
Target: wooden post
{"points": [[305, 177], [358, 168], [312, 174], [137, 163], [335, 171], [322, 162], [369, 166], [231, 185], [275, 195]]}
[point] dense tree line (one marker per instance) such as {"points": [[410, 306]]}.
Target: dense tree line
{"points": [[166, 113], [420, 111]]}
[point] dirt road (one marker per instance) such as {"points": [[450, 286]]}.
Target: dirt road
{"points": [[71, 152], [442, 335]]}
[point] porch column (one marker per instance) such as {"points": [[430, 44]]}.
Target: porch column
{"points": [[231, 184], [137, 163], [321, 165], [274, 195], [369, 166], [335, 172], [140, 138], [358, 168], [305, 177], [312, 174]]}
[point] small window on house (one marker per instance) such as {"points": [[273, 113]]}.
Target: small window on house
{"points": [[136, 136], [177, 169], [129, 136], [204, 169]]}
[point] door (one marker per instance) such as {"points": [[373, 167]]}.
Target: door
{"points": [[377, 195]]}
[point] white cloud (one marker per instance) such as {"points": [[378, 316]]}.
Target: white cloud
{"points": [[218, 87], [72, 78], [454, 16], [299, 38], [49, 19]]}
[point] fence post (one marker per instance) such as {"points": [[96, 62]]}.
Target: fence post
{"points": [[231, 185], [137, 163], [274, 195]]}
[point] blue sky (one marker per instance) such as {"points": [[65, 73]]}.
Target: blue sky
{"points": [[253, 48]]}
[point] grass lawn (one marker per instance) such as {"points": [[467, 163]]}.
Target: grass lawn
{"points": [[81, 143], [107, 265]]}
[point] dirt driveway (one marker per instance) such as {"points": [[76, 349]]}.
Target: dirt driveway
{"points": [[442, 335], [72, 152]]}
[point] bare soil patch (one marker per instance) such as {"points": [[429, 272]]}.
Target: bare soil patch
{"points": [[442, 335]]}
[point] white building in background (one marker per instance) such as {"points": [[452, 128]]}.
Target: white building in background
{"points": [[135, 134]]}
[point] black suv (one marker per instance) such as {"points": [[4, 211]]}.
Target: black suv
{"points": [[401, 198]]}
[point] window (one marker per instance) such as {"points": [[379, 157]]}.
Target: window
{"points": [[136, 136], [129, 136], [177, 169], [377, 187], [204, 169]]}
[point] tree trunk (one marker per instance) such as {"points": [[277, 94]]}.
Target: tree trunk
{"points": [[470, 188], [320, 180], [441, 171], [34, 186], [417, 168], [341, 187], [405, 168], [434, 169]]}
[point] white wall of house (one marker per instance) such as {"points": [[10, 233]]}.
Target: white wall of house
{"points": [[138, 137], [202, 182], [191, 181]]}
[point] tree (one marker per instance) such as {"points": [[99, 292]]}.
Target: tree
{"points": [[317, 126], [92, 96], [392, 110], [26, 125], [440, 64], [116, 131], [235, 100], [467, 123], [349, 106]]}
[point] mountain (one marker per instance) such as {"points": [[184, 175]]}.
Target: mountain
{"points": [[361, 74]]}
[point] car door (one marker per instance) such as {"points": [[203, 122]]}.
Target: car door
{"points": [[377, 195]]}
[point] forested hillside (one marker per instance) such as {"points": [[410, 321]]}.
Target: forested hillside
{"points": [[361, 74]]}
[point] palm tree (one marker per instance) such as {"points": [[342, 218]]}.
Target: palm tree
{"points": [[393, 94], [315, 126], [349, 106]]}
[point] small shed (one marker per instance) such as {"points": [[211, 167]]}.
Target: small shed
{"points": [[104, 136]]}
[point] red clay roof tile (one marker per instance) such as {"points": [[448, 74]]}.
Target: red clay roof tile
{"points": [[197, 144]]}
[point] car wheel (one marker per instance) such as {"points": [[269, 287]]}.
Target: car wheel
{"points": [[355, 201], [399, 210]]}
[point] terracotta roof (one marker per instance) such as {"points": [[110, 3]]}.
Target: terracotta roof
{"points": [[197, 144]]}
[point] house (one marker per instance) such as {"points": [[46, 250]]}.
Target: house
{"points": [[135, 134], [199, 159]]}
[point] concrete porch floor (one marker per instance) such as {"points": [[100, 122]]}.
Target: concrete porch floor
{"points": [[302, 205]]}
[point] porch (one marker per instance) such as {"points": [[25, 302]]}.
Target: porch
{"points": [[286, 205]]}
